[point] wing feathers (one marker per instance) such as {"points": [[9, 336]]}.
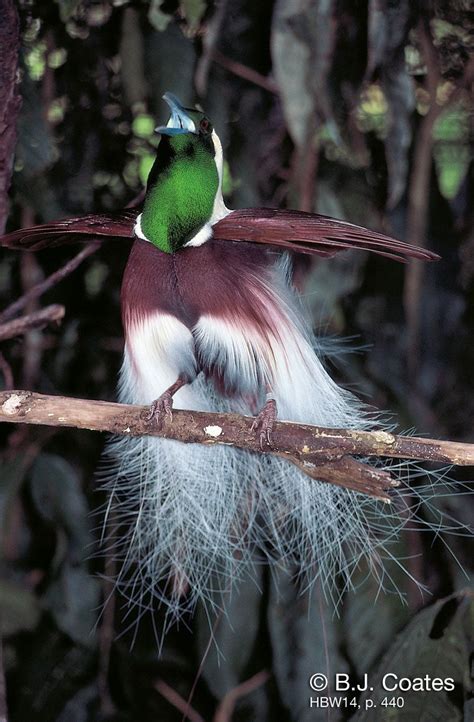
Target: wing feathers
{"points": [[286, 229], [72, 230], [311, 233]]}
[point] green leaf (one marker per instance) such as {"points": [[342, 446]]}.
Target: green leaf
{"points": [[145, 166], [73, 599], [304, 634], [436, 643], [67, 8], [143, 125], [193, 11], [35, 60], [157, 17], [452, 149]]}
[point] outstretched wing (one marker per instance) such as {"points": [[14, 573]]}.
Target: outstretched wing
{"points": [[73, 230], [295, 231], [311, 233]]}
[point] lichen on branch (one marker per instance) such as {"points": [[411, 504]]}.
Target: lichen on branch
{"points": [[321, 453]]}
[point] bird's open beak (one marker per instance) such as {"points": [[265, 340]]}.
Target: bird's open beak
{"points": [[179, 121]]}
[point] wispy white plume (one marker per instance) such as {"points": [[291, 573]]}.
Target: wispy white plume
{"points": [[191, 518]]}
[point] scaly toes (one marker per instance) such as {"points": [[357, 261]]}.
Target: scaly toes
{"points": [[265, 422], [161, 410]]}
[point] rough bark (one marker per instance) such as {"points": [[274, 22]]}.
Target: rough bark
{"points": [[10, 99], [321, 453]]}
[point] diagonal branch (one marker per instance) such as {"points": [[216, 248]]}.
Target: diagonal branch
{"points": [[321, 453], [36, 319], [55, 278]]}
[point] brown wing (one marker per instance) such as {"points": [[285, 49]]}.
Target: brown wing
{"points": [[72, 230], [286, 229], [311, 233]]}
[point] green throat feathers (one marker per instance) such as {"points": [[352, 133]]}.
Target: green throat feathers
{"points": [[181, 190]]}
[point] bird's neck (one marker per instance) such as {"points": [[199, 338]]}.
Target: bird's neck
{"points": [[180, 199]]}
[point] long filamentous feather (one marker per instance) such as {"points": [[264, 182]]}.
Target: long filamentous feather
{"points": [[82, 229], [199, 517], [311, 233], [190, 520]]}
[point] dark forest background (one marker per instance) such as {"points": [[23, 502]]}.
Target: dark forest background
{"points": [[360, 110]]}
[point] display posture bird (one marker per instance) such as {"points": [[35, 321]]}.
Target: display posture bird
{"points": [[212, 322]]}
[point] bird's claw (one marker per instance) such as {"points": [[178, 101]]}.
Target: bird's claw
{"points": [[161, 410], [264, 423]]}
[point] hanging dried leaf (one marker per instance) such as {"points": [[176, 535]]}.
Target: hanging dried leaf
{"points": [[388, 28], [302, 43]]}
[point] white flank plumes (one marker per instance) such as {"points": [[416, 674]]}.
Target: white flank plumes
{"points": [[196, 515]]}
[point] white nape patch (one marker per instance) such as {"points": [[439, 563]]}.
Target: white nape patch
{"points": [[219, 209], [137, 229], [203, 235]]}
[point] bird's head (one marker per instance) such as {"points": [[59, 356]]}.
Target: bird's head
{"points": [[184, 188], [190, 122]]}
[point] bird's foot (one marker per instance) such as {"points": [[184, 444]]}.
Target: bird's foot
{"points": [[161, 410], [264, 423]]}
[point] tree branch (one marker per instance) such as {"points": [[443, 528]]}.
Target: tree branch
{"points": [[321, 453], [10, 100], [243, 71], [37, 319], [55, 278], [225, 710]]}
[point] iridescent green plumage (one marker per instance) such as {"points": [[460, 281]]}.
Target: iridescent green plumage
{"points": [[182, 187], [181, 191]]}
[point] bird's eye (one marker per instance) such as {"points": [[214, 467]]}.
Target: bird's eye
{"points": [[205, 126]]}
